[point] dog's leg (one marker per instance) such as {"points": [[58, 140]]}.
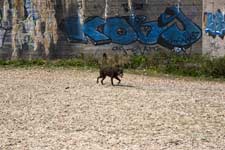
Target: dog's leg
{"points": [[112, 81], [98, 79], [103, 78], [118, 79]]}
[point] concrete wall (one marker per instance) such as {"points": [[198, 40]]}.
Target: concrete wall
{"points": [[140, 34], [59, 28], [214, 27]]}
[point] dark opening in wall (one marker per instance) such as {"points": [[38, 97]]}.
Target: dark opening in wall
{"points": [[146, 30], [42, 27], [100, 28], [25, 12], [136, 6], [121, 31]]}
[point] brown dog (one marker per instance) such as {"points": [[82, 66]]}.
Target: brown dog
{"points": [[112, 72]]}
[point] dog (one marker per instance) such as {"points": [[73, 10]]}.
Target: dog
{"points": [[112, 72]]}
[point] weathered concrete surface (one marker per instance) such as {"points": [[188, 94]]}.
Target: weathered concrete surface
{"points": [[66, 109], [58, 28]]}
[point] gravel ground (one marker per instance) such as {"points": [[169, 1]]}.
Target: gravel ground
{"points": [[56, 109]]}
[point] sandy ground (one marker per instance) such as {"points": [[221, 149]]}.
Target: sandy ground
{"points": [[46, 109]]}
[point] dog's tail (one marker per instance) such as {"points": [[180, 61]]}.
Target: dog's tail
{"points": [[104, 61]]}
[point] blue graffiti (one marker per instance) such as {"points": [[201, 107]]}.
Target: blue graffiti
{"points": [[30, 11], [0, 15], [3, 30], [93, 29], [126, 30], [147, 32], [173, 36], [73, 29], [215, 24], [119, 31]]}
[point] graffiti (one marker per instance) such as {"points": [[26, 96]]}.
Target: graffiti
{"points": [[215, 24], [93, 30], [29, 10], [120, 49], [173, 36], [119, 30], [147, 32], [73, 29], [2, 32], [1, 15], [3, 29], [2, 35], [135, 50], [129, 29]]}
